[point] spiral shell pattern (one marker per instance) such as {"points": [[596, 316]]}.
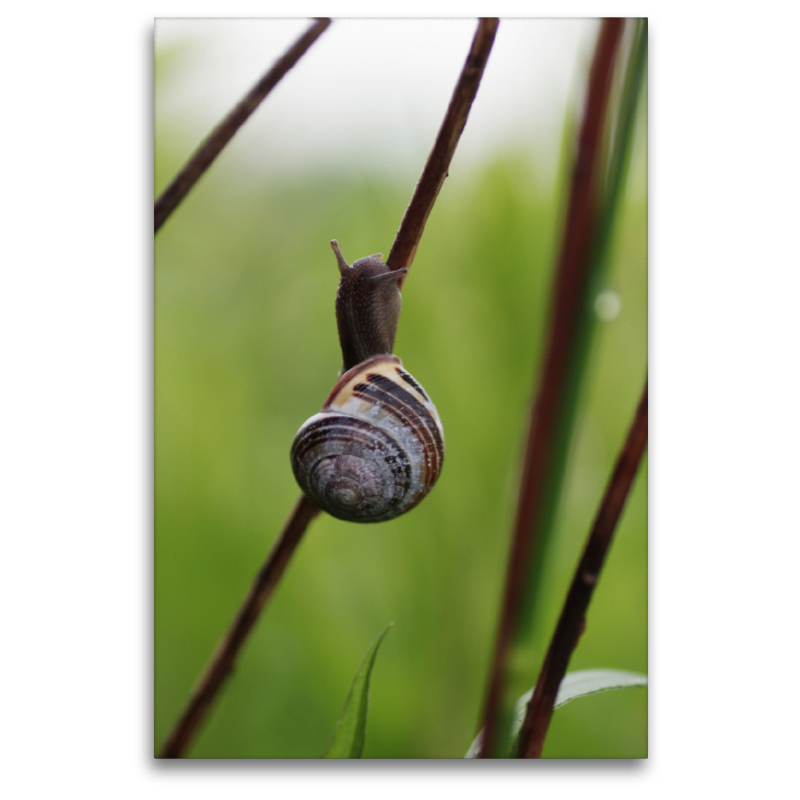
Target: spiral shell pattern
{"points": [[376, 448]]}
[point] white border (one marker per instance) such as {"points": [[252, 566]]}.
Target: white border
{"points": [[76, 415]]}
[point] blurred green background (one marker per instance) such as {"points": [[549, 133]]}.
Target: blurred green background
{"points": [[246, 350]]}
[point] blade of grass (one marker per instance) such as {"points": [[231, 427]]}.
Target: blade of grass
{"points": [[620, 148], [350, 731], [574, 686], [553, 411], [573, 617], [215, 142]]}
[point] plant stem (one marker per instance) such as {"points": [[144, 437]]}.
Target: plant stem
{"points": [[438, 163], [404, 247], [551, 410], [214, 143], [573, 616], [225, 655]]}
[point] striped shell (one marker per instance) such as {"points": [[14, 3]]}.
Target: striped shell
{"points": [[376, 448]]}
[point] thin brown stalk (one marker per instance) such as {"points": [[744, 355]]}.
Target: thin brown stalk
{"points": [[572, 273], [573, 616], [214, 143], [225, 655], [438, 163], [405, 245]]}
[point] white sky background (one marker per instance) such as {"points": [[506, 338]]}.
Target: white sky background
{"points": [[372, 93]]}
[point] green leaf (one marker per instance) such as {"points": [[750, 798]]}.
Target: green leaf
{"points": [[348, 735], [575, 684]]}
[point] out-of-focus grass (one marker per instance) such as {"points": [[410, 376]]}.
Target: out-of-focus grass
{"points": [[246, 350]]}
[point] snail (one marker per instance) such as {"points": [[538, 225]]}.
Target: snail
{"points": [[377, 446]]}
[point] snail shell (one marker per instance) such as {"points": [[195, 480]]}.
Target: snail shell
{"points": [[376, 448]]}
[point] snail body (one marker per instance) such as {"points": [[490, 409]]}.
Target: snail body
{"points": [[377, 446], [367, 307]]}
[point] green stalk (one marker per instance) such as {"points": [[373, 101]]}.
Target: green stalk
{"points": [[591, 212]]}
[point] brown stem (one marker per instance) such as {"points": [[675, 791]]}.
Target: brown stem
{"points": [[212, 146], [223, 659], [571, 277], [435, 171], [405, 245], [573, 617]]}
